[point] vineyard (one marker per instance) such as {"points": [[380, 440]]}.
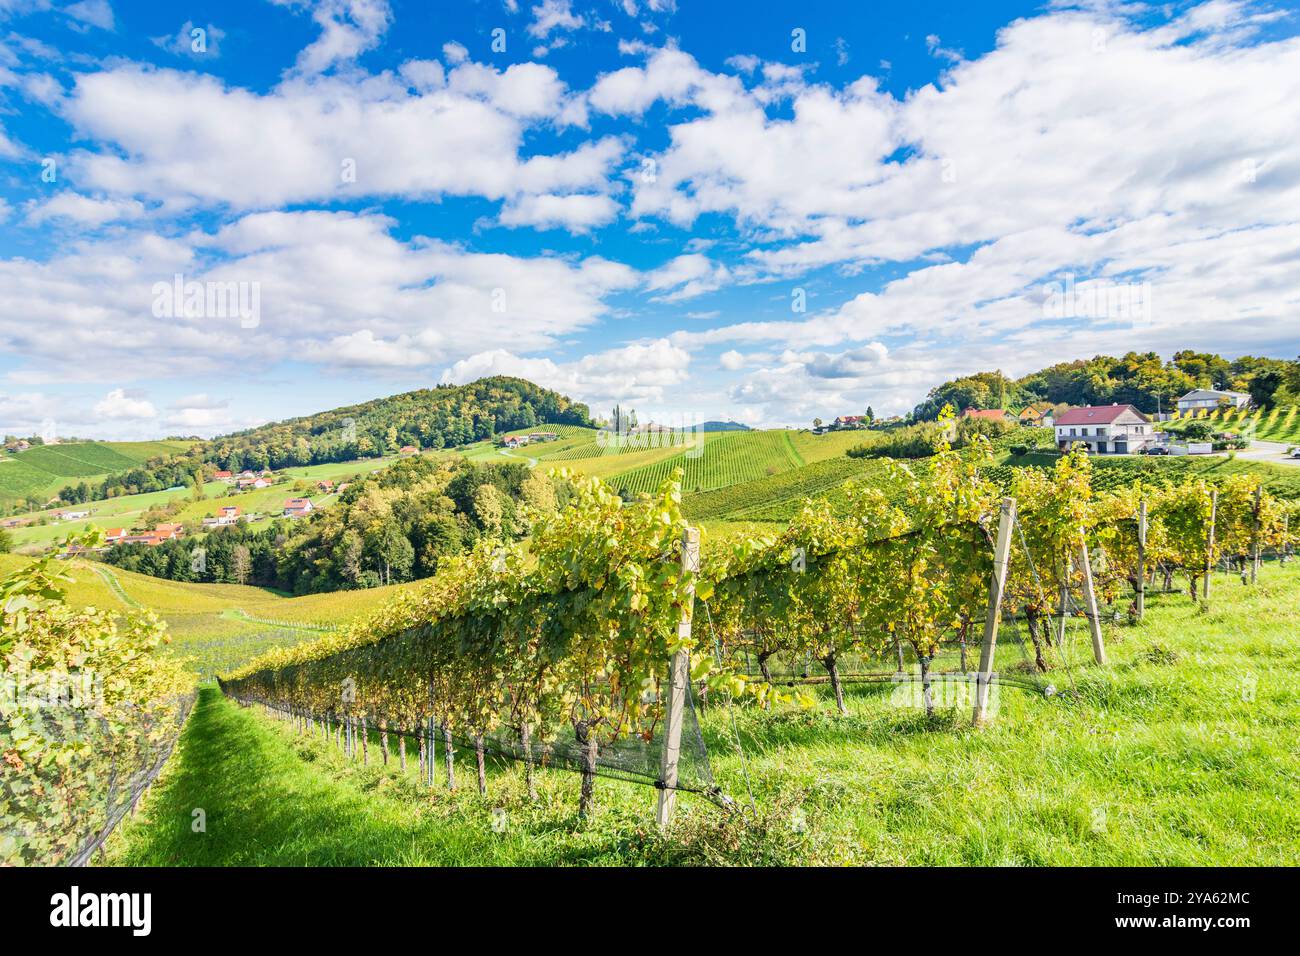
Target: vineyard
{"points": [[613, 643], [557, 653], [43, 469], [1279, 424]]}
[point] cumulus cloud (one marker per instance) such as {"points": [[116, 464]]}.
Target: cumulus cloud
{"points": [[119, 403], [83, 210], [639, 373], [335, 289], [426, 133]]}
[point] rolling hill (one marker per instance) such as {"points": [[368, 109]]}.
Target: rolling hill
{"points": [[42, 470]]}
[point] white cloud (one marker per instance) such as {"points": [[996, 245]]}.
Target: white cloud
{"points": [[119, 403], [687, 276], [327, 139], [335, 289], [348, 29], [640, 373], [553, 15], [83, 210], [578, 212], [94, 13]]}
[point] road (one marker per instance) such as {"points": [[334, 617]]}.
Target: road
{"points": [[1270, 451]]}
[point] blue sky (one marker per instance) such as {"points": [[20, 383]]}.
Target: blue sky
{"points": [[762, 211]]}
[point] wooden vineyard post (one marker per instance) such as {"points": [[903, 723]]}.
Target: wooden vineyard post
{"points": [[428, 747], [1090, 600], [1142, 559], [678, 675], [1209, 546], [1286, 539], [1256, 534], [997, 585]]}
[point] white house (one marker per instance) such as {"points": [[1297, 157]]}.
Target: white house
{"points": [[1105, 429], [1209, 398]]}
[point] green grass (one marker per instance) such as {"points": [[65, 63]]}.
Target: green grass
{"points": [[43, 470], [1180, 752], [727, 458], [122, 511]]}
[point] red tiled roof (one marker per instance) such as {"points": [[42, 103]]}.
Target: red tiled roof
{"points": [[1096, 414], [994, 414]]}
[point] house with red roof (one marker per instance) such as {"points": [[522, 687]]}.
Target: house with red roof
{"points": [[1105, 429], [114, 535], [409, 450], [222, 476], [298, 508], [989, 414]]}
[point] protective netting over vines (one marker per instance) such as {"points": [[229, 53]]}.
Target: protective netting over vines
{"points": [[555, 650]]}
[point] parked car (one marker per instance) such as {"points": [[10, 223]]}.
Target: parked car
{"points": [[1156, 450], [1296, 453]]}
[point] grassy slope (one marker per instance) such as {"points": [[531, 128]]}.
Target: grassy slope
{"points": [[44, 469], [121, 512], [1181, 752]]}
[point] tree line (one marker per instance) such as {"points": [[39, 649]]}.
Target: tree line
{"points": [[398, 525], [1141, 379]]}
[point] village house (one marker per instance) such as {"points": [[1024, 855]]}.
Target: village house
{"points": [[515, 441], [72, 515], [164, 532], [1199, 399], [988, 414], [408, 450], [114, 535], [227, 515], [252, 483], [1106, 429], [1039, 413], [849, 421], [325, 485], [298, 508], [222, 476], [543, 436]]}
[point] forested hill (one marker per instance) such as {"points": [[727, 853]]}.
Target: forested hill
{"points": [[439, 417]]}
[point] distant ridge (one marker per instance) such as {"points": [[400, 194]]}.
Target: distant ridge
{"points": [[724, 427]]}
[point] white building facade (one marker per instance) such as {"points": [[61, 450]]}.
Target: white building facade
{"points": [[1106, 430]]}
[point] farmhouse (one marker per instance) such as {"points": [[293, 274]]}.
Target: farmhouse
{"points": [[72, 515], [1039, 413], [325, 485], [114, 535], [989, 414], [1209, 398], [543, 436], [408, 450], [222, 476], [298, 508], [226, 516], [1105, 429], [245, 484], [849, 421]]}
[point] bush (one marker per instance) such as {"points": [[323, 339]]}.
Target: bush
{"points": [[1019, 450]]}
